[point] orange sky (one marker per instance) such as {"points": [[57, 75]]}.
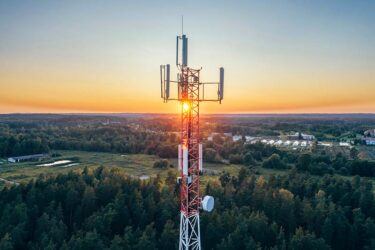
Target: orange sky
{"points": [[73, 90], [287, 59]]}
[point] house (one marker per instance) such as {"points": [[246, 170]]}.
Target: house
{"points": [[249, 138], [297, 136], [279, 143], [370, 141], [237, 138], [36, 157], [325, 144], [11, 160], [344, 144], [287, 143], [307, 137], [295, 143], [211, 136]]}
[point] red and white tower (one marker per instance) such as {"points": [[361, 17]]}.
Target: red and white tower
{"points": [[190, 92]]}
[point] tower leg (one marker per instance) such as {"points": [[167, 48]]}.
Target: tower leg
{"points": [[189, 232]]}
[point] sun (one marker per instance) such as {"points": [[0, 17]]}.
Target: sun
{"points": [[185, 106]]}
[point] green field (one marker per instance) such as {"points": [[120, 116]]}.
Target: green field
{"points": [[136, 165]]}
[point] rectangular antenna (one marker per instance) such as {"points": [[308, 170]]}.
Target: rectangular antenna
{"points": [[161, 82], [177, 50], [185, 161], [180, 147], [221, 86], [184, 50], [200, 157], [178, 87], [167, 81]]}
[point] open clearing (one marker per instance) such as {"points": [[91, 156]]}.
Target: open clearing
{"points": [[137, 165]]}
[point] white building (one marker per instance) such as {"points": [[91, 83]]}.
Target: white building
{"points": [[325, 144], [306, 137], [11, 160], [211, 136], [36, 157], [279, 143], [237, 138], [249, 138], [370, 141]]}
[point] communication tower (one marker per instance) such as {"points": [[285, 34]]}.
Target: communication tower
{"points": [[190, 93]]}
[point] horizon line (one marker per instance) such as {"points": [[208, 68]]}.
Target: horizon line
{"points": [[167, 113]]}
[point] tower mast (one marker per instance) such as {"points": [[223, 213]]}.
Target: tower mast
{"points": [[190, 92]]}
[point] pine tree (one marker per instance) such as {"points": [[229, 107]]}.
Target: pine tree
{"points": [[6, 243]]}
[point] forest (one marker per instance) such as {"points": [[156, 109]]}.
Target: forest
{"points": [[104, 209], [30, 137], [310, 200]]}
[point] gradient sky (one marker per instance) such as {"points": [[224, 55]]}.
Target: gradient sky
{"points": [[104, 56]]}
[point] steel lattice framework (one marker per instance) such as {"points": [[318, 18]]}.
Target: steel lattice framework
{"points": [[190, 150], [189, 185]]}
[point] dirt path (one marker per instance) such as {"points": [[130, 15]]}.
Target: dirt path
{"points": [[9, 182]]}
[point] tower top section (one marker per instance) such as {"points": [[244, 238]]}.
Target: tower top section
{"points": [[184, 50], [182, 65]]}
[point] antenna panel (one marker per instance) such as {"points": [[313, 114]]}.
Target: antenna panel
{"points": [[185, 161], [167, 81], [200, 157], [179, 89], [180, 147], [161, 82], [221, 84], [177, 38], [184, 50]]}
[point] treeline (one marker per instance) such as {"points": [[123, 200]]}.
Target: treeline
{"points": [[315, 162], [22, 145], [323, 127], [104, 209], [15, 140]]}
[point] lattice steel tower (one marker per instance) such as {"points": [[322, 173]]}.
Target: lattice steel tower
{"points": [[190, 92]]}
